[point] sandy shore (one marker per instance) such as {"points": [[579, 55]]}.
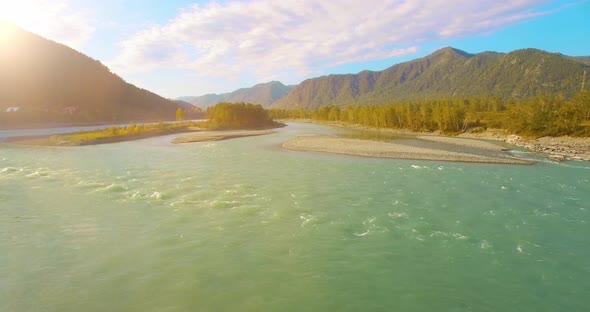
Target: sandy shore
{"points": [[370, 148], [555, 148], [193, 134], [205, 136], [463, 142]]}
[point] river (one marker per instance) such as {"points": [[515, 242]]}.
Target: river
{"points": [[243, 225]]}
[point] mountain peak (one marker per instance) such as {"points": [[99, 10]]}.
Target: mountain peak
{"points": [[451, 51], [262, 93]]}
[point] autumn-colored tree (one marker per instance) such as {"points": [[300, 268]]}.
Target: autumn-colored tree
{"points": [[238, 115], [179, 114]]}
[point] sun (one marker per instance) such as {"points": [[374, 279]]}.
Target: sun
{"points": [[26, 14], [20, 14], [7, 29], [51, 19], [12, 11]]}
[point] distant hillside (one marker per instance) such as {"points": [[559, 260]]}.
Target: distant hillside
{"points": [[48, 82], [204, 101], [582, 59], [190, 111], [445, 73], [263, 94]]}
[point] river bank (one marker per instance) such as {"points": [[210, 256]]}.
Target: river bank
{"points": [[554, 148], [48, 125], [383, 149], [66, 139], [558, 148], [88, 138], [205, 136]]}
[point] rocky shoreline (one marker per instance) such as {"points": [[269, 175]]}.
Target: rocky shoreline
{"points": [[555, 148]]}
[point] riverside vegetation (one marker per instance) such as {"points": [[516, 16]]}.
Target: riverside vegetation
{"points": [[114, 134], [224, 116], [231, 116], [550, 115]]}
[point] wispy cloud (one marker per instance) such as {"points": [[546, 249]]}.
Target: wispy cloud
{"points": [[263, 37], [55, 20]]}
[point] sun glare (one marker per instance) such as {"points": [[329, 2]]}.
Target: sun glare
{"points": [[18, 13], [6, 30], [10, 11]]}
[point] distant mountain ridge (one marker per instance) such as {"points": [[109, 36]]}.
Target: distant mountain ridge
{"points": [[448, 72], [264, 94], [51, 83]]}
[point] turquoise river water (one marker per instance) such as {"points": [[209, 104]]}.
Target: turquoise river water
{"points": [[243, 225]]}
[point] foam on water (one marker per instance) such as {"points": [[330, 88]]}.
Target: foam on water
{"points": [[182, 203], [89, 184], [9, 170], [485, 244], [156, 195], [459, 236], [398, 215], [306, 219], [113, 188]]}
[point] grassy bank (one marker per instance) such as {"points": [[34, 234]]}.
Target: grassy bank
{"points": [[110, 135], [138, 132]]}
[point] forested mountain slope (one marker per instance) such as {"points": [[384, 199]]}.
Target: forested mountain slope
{"points": [[446, 73], [43, 82]]}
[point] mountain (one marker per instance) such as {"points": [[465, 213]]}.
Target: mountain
{"points": [[263, 94], [204, 101], [447, 72], [47, 82], [581, 59], [191, 111]]}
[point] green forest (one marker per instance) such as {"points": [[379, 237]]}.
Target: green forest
{"points": [[446, 73], [550, 115], [238, 116]]}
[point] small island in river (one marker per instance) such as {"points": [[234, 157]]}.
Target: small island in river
{"points": [[226, 121], [478, 151]]}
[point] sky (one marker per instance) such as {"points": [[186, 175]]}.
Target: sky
{"points": [[181, 47]]}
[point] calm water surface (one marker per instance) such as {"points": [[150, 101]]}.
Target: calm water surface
{"points": [[242, 225]]}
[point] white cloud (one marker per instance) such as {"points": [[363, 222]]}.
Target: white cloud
{"points": [[263, 37], [55, 20]]}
